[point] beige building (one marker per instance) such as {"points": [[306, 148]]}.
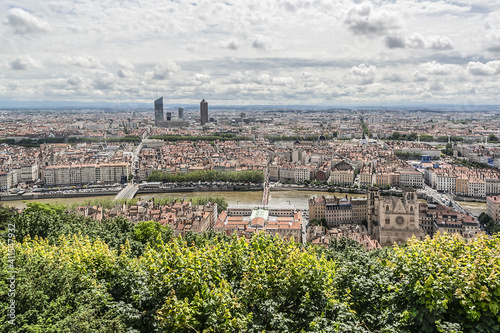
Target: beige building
{"points": [[60, 175], [411, 178], [462, 185], [392, 219], [365, 178], [342, 178], [359, 210], [493, 208]]}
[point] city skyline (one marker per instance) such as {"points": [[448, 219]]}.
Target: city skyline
{"points": [[280, 53]]}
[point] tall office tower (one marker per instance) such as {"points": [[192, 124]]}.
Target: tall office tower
{"points": [[181, 113], [204, 111], [169, 116], [243, 115], [158, 110]]}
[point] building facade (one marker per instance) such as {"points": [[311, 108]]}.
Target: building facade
{"points": [[158, 111], [203, 112]]}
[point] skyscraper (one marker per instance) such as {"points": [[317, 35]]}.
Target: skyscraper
{"points": [[158, 110], [169, 116], [204, 112], [181, 113]]}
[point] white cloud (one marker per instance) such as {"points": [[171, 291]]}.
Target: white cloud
{"points": [[435, 68], [124, 63], [22, 22], [439, 43], [364, 74], [488, 69], [237, 52], [163, 70], [83, 60]]}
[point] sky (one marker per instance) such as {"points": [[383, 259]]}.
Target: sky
{"points": [[238, 52]]}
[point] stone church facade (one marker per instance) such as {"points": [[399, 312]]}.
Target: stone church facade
{"points": [[393, 219]]}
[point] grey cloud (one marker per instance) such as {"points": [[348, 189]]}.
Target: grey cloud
{"points": [[393, 77], [73, 81], [23, 62], [492, 42], [363, 20], [231, 44], [24, 23], [124, 73], [394, 42], [305, 75], [436, 86], [417, 41], [18, 64], [104, 83], [264, 43]]}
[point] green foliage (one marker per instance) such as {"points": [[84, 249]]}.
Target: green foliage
{"points": [[44, 221], [488, 224], [308, 137], [45, 208], [492, 138], [448, 150], [86, 276], [448, 280], [152, 233], [254, 176], [366, 131], [6, 214]]}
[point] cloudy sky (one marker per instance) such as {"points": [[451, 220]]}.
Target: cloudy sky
{"points": [[327, 52]]}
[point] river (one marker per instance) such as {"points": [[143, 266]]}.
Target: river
{"points": [[297, 198]]}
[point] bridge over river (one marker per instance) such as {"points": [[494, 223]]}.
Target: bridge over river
{"points": [[128, 192]]}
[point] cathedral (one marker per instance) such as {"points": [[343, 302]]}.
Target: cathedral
{"points": [[393, 219]]}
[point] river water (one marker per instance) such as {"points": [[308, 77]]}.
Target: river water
{"points": [[297, 198]]}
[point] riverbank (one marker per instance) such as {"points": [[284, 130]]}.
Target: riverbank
{"points": [[42, 196]]}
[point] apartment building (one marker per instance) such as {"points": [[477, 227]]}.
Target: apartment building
{"points": [[411, 178], [60, 175], [493, 208]]}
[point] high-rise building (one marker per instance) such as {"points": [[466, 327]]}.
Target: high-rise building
{"points": [[203, 112], [181, 113], [169, 116], [158, 111]]}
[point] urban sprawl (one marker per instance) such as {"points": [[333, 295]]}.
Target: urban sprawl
{"points": [[410, 168]]}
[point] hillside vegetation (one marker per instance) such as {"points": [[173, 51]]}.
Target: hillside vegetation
{"points": [[78, 275]]}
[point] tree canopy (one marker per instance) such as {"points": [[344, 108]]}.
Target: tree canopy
{"points": [[73, 274]]}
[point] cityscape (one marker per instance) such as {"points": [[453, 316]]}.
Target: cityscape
{"points": [[335, 157], [250, 166]]}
